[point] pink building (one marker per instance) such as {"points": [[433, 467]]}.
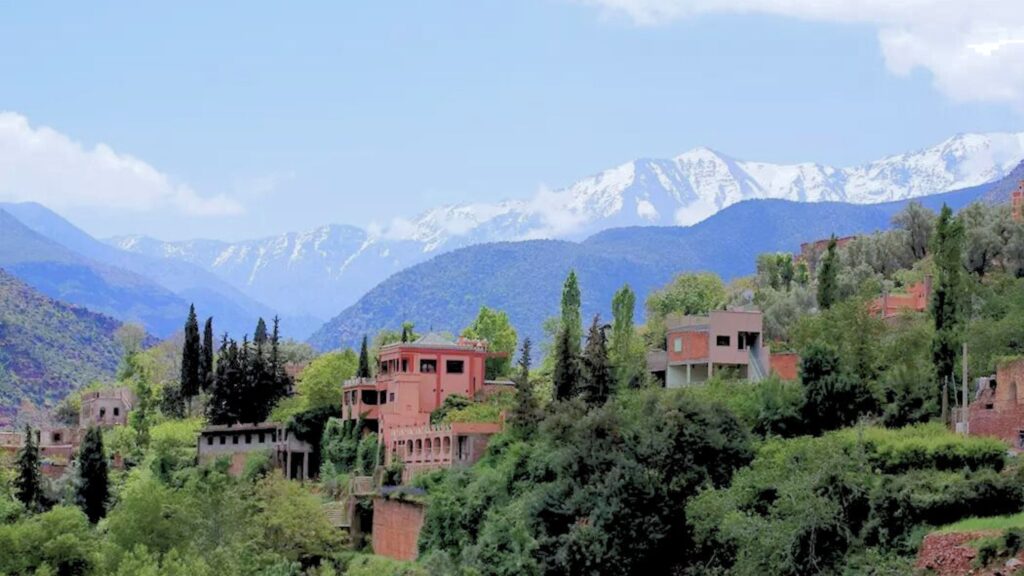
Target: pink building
{"points": [[700, 346], [413, 379], [106, 407]]}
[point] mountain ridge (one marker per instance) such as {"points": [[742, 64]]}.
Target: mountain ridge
{"points": [[321, 271]]}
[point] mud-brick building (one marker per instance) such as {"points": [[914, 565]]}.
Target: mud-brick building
{"points": [[700, 346], [998, 406], [106, 408], [237, 442]]}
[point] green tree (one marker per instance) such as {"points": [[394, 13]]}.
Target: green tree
{"points": [[407, 332], [320, 383], [948, 294], [803, 274], [828, 277], [93, 488], [566, 374], [919, 224], [190, 357], [494, 327], [29, 482], [687, 294], [526, 412], [364, 361], [596, 381], [206, 356], [832, 397], [260, 334], [626, 350], [572, 321], [786, 269]]}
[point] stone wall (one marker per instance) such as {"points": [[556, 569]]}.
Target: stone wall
{"points": [[396, 528]]}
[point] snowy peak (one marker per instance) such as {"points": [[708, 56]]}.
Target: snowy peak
{"points": [[321, 271]]}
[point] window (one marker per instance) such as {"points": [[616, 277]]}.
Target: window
{"points": [[677, 344], [405, 364], [248, 438], [722, 340], [234, 438], [103, 413], [454, 366], [56, 438], [209, 440], [117, 411], [391, 397], [263, 437], [273, 436], [223, 440], [428, 366], [383, 367]]}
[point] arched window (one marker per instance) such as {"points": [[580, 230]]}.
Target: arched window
{"points": [[419, 448], [408, 449], [447, 446]]}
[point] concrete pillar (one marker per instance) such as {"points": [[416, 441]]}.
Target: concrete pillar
{"points": [[689, 379], [710, 366], [305, 466], [288, 464]]}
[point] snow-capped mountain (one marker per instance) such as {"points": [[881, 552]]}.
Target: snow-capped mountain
{"points": [[322, 271]]}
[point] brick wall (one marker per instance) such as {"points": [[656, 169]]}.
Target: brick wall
{"points": [[396, 528], [999, 412], [786, 365]]}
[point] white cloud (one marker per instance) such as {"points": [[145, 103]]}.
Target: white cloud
{"points": [[42, 165], [973, 48]]}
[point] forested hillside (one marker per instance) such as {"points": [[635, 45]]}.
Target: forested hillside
{"points": [[70, 277], [48, 348]]}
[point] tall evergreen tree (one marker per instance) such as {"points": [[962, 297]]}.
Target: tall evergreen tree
{"points": [[260, 335], [572, 321], [190, 357], [364, 361], [948, 296], [407, 333], [206, 356], [567, 367], [596, 381], [220, 407], [525, 413], [29, 483], [626, 352], [93, 487], [828, 277], [281, 379]]}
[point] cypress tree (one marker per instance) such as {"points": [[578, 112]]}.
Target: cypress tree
{"points": [[625, 352], [828, 277], [93, 488], [206, 356], [219, 408], [567, 370], [572, 322], [948, 297], [29, 483], [260, 336], [407, 332], [596, 382], [282, 383], [364, 361], [525, 412], [190, 353]]}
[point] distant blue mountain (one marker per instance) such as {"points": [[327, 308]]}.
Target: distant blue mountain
{"points": [[525, 278], [187, 283]]}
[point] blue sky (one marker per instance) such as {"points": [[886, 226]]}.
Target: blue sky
{"points": [[295, 116]]}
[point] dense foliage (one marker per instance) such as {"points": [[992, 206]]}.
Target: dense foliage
{"points": [[595, 490]]}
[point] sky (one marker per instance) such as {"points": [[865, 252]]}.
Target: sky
{"points": [[241, 120]]}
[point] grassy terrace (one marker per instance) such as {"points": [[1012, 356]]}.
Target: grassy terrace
{"points": [[990, 523]]}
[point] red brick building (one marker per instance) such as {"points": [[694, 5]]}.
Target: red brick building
{"points": [[998, 406], [891, 305]]}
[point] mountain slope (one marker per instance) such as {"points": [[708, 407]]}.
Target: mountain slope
{"points": [[324, 270], [48, 348], [525, 278], [234, 311], [65, 275]]}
